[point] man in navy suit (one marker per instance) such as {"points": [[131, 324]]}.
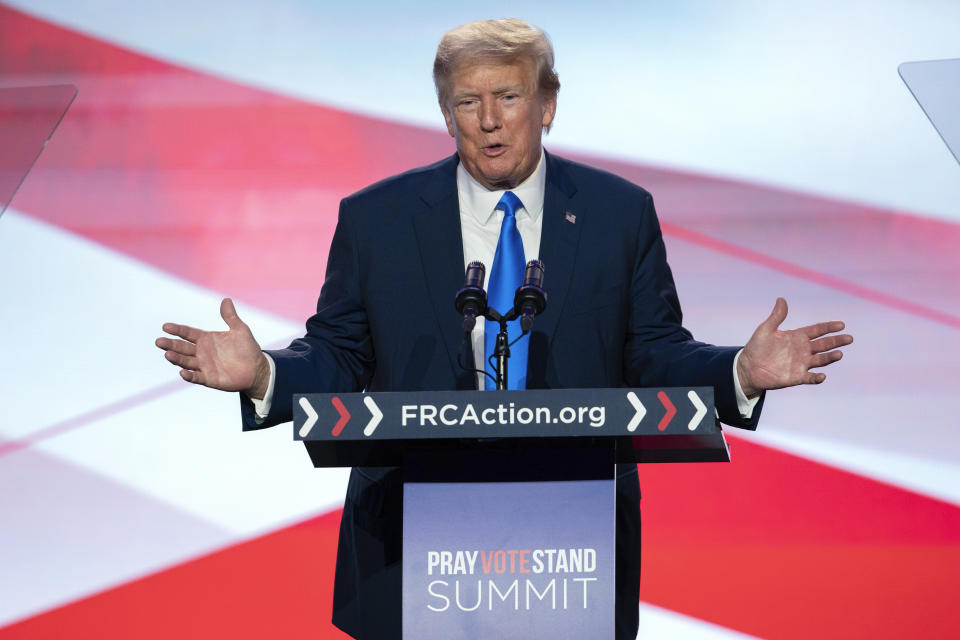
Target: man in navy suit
{"points": [[385, 319]]}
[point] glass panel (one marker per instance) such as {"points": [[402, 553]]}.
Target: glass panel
{"points": [[936, 86], [28, 117]]}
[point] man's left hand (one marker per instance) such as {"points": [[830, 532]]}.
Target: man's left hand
{"points": [[773, 359]]}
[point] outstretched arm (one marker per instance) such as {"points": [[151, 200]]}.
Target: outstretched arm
{"points": [[227, 360], [774, 359]]}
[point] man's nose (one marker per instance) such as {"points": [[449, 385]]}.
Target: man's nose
{"points": [[489, 117]]}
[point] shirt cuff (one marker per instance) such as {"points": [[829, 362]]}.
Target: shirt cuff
{"points": [[262, 407], [744, 404]]}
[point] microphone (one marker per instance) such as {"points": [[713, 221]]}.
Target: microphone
{"points": [[471, 300], [530, 298]]}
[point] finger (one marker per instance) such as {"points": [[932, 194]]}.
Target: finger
{"points": [[777, 316], [830, 342], [184, 362], [192, 376], [815, 378], [182, 331], [179, 346], [822, 328], [823, 359], [229, 314]]}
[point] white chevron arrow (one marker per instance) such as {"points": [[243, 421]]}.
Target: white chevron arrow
{"points": [[641, 411], [311, 417], [375, 420], [701, 410]]}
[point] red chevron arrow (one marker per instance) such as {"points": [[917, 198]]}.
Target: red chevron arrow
{"points": [[344, 416], [671, 410]]}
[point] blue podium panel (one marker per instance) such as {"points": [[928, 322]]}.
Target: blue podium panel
{"points": [[508, 560]]}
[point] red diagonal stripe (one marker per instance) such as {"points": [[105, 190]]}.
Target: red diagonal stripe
{"points": [[344, 416], [671, 410], [782, 547]]}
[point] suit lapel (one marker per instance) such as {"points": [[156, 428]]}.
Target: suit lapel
{"points": [[440, 243], [563, 218]]}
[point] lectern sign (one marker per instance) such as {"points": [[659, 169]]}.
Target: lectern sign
{"points": [[647, 425], [536, 413], [508, 559]]}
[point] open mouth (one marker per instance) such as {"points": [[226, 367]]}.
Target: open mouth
{"points": [[494, 149]]}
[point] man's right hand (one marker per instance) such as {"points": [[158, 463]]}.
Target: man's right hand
{"points": [[226, 360]]}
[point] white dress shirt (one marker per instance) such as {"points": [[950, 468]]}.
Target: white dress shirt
{"points": [[480, 228]]}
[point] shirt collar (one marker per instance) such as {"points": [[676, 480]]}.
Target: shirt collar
{"points": [[480, 202]]}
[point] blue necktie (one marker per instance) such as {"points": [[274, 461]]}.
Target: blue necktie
{"points": [[505, 276]]}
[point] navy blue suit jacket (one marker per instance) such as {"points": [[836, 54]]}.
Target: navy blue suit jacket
{"points": [[385, 321]]}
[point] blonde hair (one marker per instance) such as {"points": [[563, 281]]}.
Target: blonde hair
{"points": [[503, 40]]}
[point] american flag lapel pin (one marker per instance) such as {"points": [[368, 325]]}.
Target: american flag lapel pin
{"points": [[569, 217]]}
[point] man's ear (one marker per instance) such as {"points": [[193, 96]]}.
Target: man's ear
{"points": [[449, 119], [548, 109]]}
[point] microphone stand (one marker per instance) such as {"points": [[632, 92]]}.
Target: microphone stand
{"points": [[471, 301], [501, 350]]}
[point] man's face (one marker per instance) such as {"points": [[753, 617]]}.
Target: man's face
{"points": [[496, 115]]}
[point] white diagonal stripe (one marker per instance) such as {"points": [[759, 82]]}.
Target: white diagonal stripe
{"points": [[701, 410], [641, 411], [137, 488], [376, 414], [656, 622], [311, 417]]}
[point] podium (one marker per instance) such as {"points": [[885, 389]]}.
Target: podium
{"points": [[509, 496]]}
